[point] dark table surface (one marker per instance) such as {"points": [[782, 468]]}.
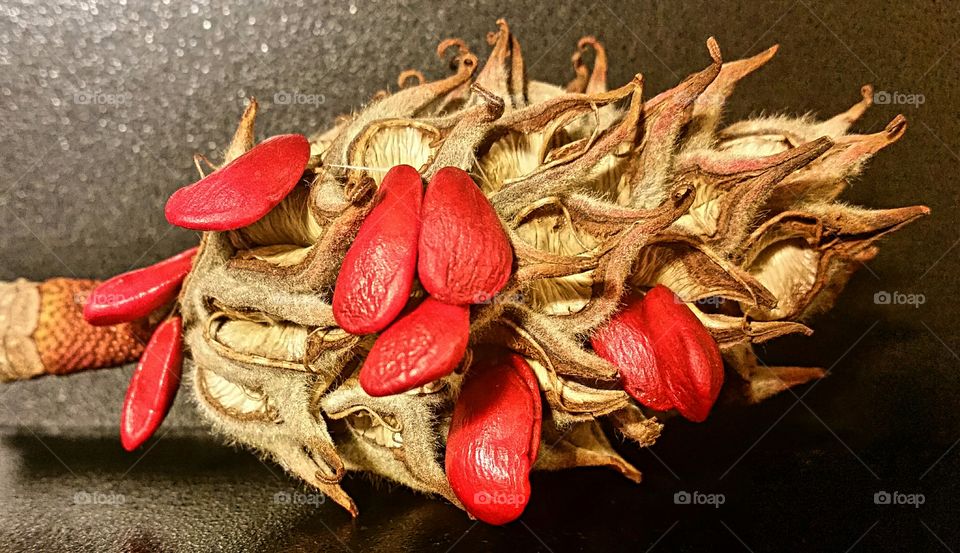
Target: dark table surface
{"points": [[82, 189]]}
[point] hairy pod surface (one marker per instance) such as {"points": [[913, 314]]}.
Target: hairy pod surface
{"points": [[494, 438], [465, 256], [420, 347], [377, 273], [136, 294], [244, 190], [153, 386], [667, 359]]}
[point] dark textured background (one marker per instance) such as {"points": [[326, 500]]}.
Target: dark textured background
{"points": [[103, 107]]}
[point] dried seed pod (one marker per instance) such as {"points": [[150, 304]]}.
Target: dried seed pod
{"points": [[154, 385], [422, 346], [494, 438], [598, 192], [136, 294], [377, 273], [465, 257], [245, 189]]}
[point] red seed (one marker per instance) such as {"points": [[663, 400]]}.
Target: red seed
{"points": [[153, 386], [625, 343], [134, 295], [420, 347], [494, 438], [245, 189], [465, 257], [377, 273], [667, 359], [686, 352]]}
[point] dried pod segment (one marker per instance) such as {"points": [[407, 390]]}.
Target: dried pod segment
{"points": [[465, 256], [42, 331], [154, 385], [136, 294], [421, 346], [494, 438], [245, 189], [667, 359], [377, 274]]}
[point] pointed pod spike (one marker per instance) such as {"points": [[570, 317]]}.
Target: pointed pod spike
{"points": [[244, 190], [742, 206], [837, 125], [581, 73], [713, 47], [420, 347], [587, 81], [845, 159], [494, 438], [733, 71], [504, 72], [242, 140], [154, 385], [377, 273], [855, 148], [598, 77], [766, 382], [857, 224], [861, 146], [134, 295], [708, 106], [465, 255]]}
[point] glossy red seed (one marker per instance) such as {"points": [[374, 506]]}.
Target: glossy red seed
{"points": [[245, 189], [153, 386], [420, 347], [625, 343], [377, 273], [494, 438], [465, 256], [686, 352], [136, 294], [666, 358]]}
